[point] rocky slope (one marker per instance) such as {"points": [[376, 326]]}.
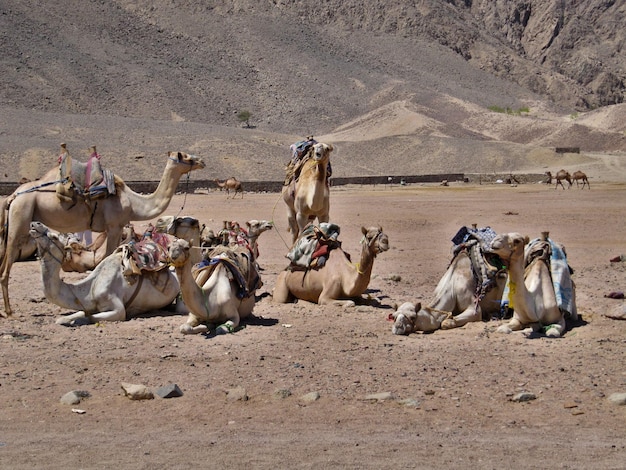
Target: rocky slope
{"points": [[140, 78]]}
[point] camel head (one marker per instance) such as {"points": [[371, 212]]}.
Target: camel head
{"points": [[48, 241], [321, 152], [404, 318], [257, 227], [179, 252], [509, 246], [375, 239], [190, 162]]}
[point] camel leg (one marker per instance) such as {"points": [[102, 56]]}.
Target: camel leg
{"points": [[302, 221], [555, 330], [470, 314], [513, 325], [114, 237], [11, 254], [193, 326], [281, 293], [81, 318], [75, 319], [324, 299]]}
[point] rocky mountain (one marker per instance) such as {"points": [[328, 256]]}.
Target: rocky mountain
{"points": [[138, 75]]}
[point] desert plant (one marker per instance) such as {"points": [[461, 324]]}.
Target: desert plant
{"points": [[244, 116]]}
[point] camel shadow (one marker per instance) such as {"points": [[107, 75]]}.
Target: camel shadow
{"points": [[372, 300], [251, 320], [570, 327]]}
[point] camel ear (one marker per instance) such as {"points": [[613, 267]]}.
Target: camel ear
{"points": [[363, 230], [526, 240], [330, 147], [418, 306]]}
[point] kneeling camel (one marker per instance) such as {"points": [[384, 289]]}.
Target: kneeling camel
{"points": [[465, 293], [222, 294], [535, 302], [339, 280], [107, 294]]}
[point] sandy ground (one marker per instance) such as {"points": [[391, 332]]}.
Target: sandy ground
{"points": [[450, 404]]}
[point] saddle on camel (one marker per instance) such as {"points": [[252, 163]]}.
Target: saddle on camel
{"points": [[83, 180], [311, 249], [300, 153], [470, 289]]}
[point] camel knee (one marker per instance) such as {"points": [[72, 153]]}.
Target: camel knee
{"points": [[513, 325], [193, 326], [449, 323], [187, 329]]}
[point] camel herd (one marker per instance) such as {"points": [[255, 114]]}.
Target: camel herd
{"points": [[563, 175], [214, 277]]}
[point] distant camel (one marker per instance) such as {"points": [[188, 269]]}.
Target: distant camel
{"points": [[579, 175], [560, 176], [231, 183]]}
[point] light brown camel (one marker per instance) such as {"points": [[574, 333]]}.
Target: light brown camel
{"points": [[231, 183], [339, 280], [532, 294], [81, 258], [308, 196], [107, 294], [35, 201], [213, 295], [560, 176], [458, 298], [579, 175], [255, 229]]}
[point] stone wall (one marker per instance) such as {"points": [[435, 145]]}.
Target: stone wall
{"points": [[190, 186]]}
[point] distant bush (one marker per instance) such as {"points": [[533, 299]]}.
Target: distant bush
{"points": [[507, 110]]}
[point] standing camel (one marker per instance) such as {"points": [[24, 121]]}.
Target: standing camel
{"points": [[231, 183], [338, 281], [579, 175], [560, 176], [35, 201], [308, 196], [534, 273]]}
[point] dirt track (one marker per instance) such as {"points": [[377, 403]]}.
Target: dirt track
{"points": [[451, 390]]}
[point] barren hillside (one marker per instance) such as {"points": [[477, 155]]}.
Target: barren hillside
{"points": [[397, 88]]}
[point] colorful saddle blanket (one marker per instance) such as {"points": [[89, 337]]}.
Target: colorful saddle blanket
{"points": [[87, 180]]}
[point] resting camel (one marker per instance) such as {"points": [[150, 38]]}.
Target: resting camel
{"points": [[579, 175], [308, 196], [231, 183], [560, 176], [338, 281], [35, 201], [532, 297], [81, 258], [255, 229], [232, 234], [187, 228], [213, 295], [459, 297], [106, 294]]}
